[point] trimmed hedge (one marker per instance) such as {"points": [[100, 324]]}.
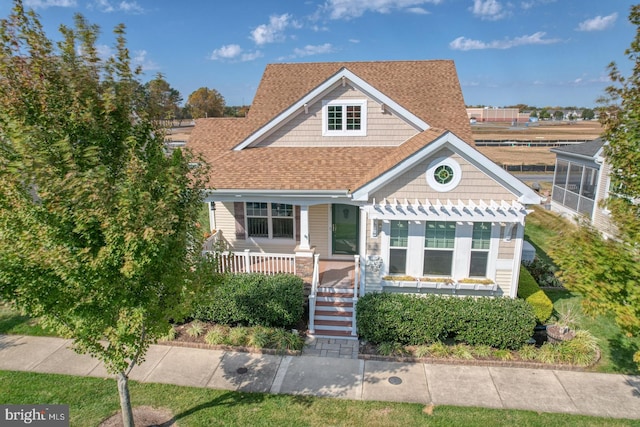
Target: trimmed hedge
{"points": [[415, 320], [252, 299], [529, 291]]}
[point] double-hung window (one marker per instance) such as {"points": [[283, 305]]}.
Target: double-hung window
{"points": [[439, 242], [480, 244], [344, 118], [270, 220], [398, 239]]}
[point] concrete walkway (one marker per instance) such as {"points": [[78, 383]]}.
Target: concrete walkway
{"points": [[604, 395]]}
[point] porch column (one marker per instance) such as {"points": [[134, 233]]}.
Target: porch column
{"points": [[363, 233], [304, 228]]}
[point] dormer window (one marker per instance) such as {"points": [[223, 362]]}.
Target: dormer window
{"points": [[344, 118]]}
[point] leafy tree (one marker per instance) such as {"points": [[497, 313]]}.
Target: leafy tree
{"points": [[162, 101], [588, 114], [206, 102], [544, 114], [607, 272], [97, 225], [558, 115]]}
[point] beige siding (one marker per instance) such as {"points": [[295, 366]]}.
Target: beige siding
{"points": [[319, 229], [506, 249], [305, 129], [503, 280], [475, 184], [601, 220]]}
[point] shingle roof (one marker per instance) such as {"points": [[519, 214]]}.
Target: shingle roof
{"points": [[428, 89], [587, 149]]}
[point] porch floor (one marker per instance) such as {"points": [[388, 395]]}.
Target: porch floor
{"points": [[336, 274]]}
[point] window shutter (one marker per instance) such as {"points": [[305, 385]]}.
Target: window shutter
{"points": [[238, 213], [297, 216]]}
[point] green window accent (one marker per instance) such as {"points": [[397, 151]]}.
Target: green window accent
{"points": [[443, 174], [481, 235], [398, 238], [399, 234], [440, 235], [334, 117]]}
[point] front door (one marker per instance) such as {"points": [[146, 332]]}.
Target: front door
{"points": [[344, 225]]}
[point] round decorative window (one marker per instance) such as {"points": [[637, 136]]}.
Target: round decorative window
{"points": [[443, 174]]}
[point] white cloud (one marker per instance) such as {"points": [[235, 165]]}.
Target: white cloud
{"points": [[250, 56], [418, 11], [598, 23], [107, 6], [234, 52], [490, 10], [347, 9], [310, 50], [354, 41], [463, 43], [274, 30], [43, 4], [140, 60], [229, 51]]}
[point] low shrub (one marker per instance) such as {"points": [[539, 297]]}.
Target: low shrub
{"points": [[252, 299], [543, 273], [402, 318], [502, 323], [529, 290], [416, 320]]}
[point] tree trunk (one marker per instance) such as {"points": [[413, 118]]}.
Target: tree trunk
{"points": [[125, 401]]}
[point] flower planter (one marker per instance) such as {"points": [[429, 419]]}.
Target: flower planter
{"points": [[556, 334], [466, 286], [487, 288], [427, 285]]}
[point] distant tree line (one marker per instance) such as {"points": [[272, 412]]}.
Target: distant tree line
{"points": [[163, 103]]}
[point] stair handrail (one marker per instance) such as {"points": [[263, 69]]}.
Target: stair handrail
{"points": [[356, 282], [315, 278]]}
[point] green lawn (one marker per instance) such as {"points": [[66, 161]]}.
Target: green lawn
{"points": [[617, 349], [92, 400], [13, 323]]}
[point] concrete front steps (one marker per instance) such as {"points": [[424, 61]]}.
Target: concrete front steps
{"points": [[333, 316]]}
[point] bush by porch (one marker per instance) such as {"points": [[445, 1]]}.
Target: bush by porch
{"points": [[412, 320]]}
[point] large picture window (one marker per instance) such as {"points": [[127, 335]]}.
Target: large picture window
{"points": [[480, 244], [344, 118], [270, 220], [439, 242], [398, 239]]}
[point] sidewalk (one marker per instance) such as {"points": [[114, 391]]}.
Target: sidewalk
{"points": [[604, 395]]}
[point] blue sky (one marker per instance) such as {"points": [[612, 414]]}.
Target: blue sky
{"points": [[536, 52]]}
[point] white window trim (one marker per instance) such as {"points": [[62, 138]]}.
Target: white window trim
{"points": [[487, 251], [444, 161], [269, 225], [362, 103]]}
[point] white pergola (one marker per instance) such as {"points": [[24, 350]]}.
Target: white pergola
{"points": [[480, 211]]}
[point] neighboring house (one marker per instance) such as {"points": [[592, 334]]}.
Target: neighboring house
{"points": [[372, 162], [581, 182], [493, 114]]}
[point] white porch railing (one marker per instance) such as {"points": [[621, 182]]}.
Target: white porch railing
{"points": [[255, 262], [356, 285], [314, 290]]}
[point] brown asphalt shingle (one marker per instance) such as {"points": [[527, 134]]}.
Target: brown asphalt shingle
{"points": [[428, 89]]}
